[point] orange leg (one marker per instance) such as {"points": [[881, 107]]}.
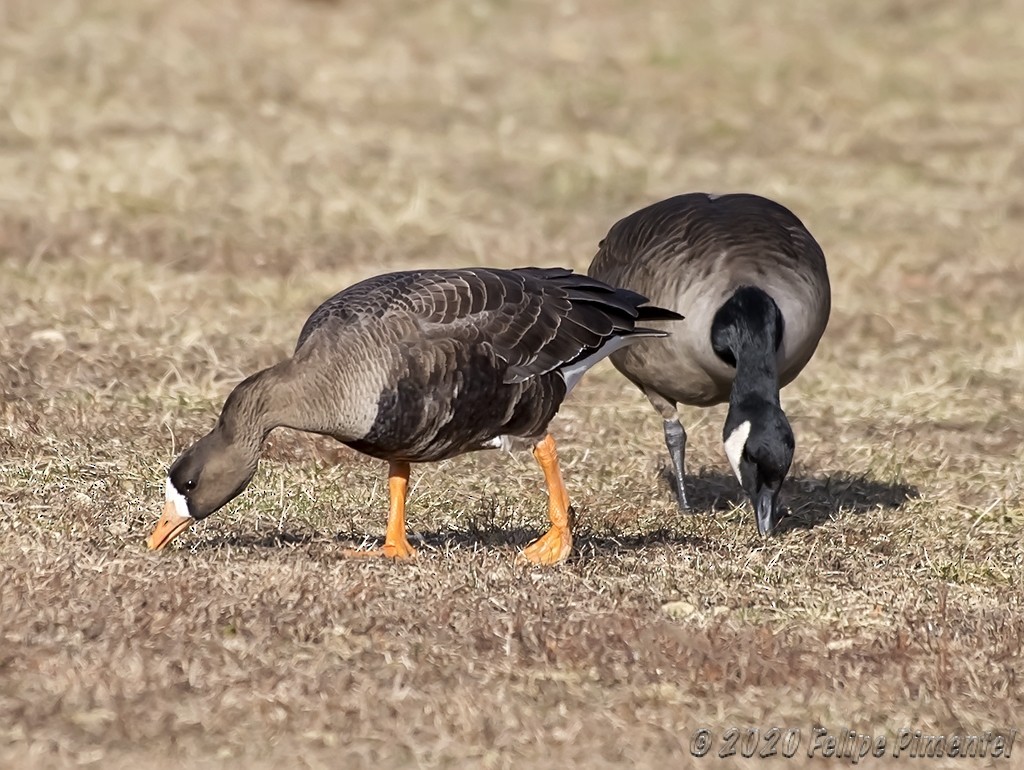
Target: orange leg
{"points": [[554, 546], [396, 546]]}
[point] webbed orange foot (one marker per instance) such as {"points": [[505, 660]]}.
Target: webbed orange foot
{"points": [[396, 544], [553, 547], [400, 549]]}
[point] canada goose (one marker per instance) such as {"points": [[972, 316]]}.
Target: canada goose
{"points": [[757, 298], [420, 366]]}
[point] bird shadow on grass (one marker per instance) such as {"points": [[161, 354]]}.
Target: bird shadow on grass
{"points": [[808, 500], [586, 540], [485, 530], [276, 539]]}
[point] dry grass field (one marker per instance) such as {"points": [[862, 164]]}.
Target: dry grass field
{"points": [[181, 183]]}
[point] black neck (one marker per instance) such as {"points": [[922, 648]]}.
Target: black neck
{"points": [[746, 333]]}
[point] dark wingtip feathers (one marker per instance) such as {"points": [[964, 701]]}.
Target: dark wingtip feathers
{"points": [[655, 313], [643, 331], [597, 314]]}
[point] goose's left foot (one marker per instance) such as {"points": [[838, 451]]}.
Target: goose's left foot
{"points": [[554, 545], [396, 545], [397, 550]]}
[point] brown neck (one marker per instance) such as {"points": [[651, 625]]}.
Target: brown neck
{"points": [[256, 406], [304, 395]]}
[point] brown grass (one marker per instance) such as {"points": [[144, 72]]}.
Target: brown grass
{"points": [[181, 183]]}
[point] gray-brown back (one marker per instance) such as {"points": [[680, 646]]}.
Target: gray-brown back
{"points": [[689, 253]]}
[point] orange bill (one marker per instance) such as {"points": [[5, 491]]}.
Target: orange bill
{"points": [[171, 525]]}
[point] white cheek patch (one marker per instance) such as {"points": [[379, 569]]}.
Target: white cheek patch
{"points": [[734, 447], [178, 499]]}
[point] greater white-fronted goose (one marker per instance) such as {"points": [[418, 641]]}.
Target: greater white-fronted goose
{"points": [[420, 366], [757, 298]]}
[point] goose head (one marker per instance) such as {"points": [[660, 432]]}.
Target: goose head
{"points": [[759, 444], [206, 476]]}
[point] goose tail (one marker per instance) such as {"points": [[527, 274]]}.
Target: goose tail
{"points": [[623, 335]]}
